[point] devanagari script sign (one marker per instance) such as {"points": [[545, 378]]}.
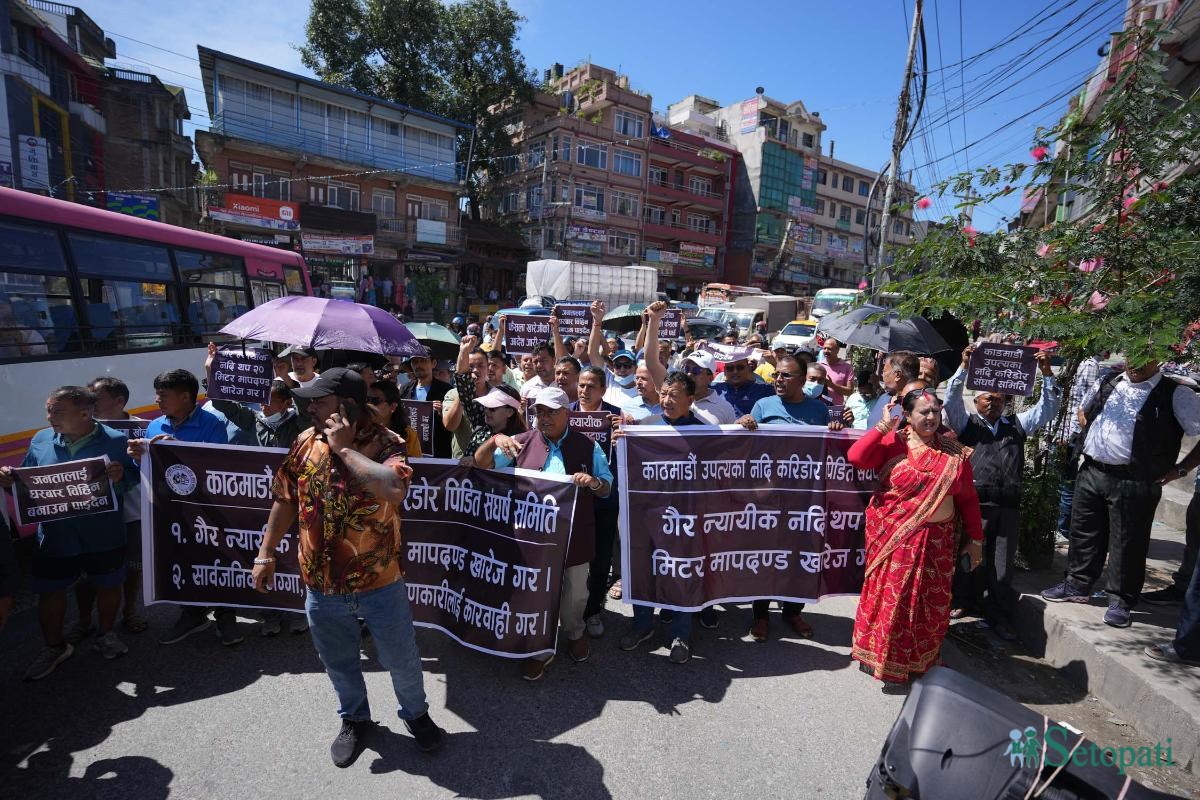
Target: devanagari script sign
{"points": [[574, 319], [523, 332], [62, 491], [1004, 368], [243, 375], [722, 514], [421, 418]]}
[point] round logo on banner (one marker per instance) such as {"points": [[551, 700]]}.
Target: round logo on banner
{"points": [[181, 479]]}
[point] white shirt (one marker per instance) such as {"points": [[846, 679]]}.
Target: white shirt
{"points": [[530, 386], [304, 384], [1110, 438], [714, 410]]}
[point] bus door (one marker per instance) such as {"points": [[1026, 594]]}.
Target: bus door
{"points": [[263, 290]]}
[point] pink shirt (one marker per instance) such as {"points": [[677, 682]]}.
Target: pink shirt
{"points": [[841, 373]]}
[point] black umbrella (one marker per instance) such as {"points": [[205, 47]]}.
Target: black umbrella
{"points": [[879, 328]]}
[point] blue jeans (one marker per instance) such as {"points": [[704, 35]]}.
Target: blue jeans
{"points": [[681, 624], [1187, 635], [333, 622]]}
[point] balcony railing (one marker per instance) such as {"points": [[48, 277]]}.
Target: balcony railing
{"points": [[686, 189], [420, 231]]}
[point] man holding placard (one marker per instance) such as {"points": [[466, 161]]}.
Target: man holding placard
{"points": [[68, 547], [998, 462]]}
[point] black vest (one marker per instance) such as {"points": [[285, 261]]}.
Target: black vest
{"points": [[998, 460], [1157, 434], [577, 451]]}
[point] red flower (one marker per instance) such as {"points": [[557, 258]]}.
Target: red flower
{"points": [[1039, 153], [1129, 201], [1161, 186], [970, 233], [1097, 228], [924, 203]]}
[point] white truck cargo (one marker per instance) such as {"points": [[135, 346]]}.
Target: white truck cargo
{"points": [[777, 309], [571, 280]]}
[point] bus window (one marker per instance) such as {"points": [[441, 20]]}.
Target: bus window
{"points": [[294, 280], [36, 317], [129, 314], [29, 247], [210, 308], [213, 269], [100, 255]]}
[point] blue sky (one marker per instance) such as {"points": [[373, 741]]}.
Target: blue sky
{"points": [[843, 59]]}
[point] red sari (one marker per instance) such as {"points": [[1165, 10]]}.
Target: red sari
{"points": [[904, 610]]}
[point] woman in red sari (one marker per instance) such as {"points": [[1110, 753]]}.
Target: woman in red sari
{"points": [[926, 489]]}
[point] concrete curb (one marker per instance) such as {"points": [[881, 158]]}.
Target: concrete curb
{"points": [[1162, 701]]}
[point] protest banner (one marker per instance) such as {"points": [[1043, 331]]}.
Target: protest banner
{"points": [[596, 425], [204, 514], [670, 326], [523, 332], [62, 491], [722, 514], [1004, 368], [484, 553], [241, 374], [726, 353], [132, 428], [421, 419], [574, 318]]}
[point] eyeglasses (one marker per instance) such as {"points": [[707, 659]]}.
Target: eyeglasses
{"points": [[786, 375], [374, 401], [695, 371], [622, 365]]}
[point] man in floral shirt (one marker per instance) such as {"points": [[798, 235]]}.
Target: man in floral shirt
{"points": [[344, 479]]}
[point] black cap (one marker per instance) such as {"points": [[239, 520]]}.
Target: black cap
{"points": [[338, 381], [298, 350]]}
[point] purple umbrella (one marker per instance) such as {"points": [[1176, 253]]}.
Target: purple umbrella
{"points": [[325, 324]]}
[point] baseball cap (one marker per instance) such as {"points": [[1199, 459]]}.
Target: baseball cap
{"points": [[703, 360], [624, 354], [298, 350], [498, 398], [338, 381], [551, 397]]}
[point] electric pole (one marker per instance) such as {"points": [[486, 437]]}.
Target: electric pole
{"points": [[899, 137]]}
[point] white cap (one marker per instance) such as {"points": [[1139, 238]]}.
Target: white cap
{"points": [[703, 360], [551, 397]]}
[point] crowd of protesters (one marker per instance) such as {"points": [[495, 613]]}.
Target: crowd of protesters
{"points": [[945, 470]]}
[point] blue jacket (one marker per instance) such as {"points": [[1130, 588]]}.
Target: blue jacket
{"points": [[200, 426], [100, 532]]}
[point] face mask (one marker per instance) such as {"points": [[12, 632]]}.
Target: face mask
{"points": [[275, 419], [624, 383], [813, 390]]}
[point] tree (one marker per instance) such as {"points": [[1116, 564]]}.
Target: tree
{"points": [[1123, 276], [456, 60]]}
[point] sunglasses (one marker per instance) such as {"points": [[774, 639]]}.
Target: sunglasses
{"points": [[374, 401], [622, 365], [696, 371], [786, 375]]}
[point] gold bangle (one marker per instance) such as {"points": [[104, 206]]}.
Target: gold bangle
{"points": [[884, 426]]}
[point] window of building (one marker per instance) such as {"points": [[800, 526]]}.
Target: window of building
{"points": [[700, 186], [699, 222], [628, 124], [509, 203], [343, 195], [621, 243], [860, 216], [807, 139], [655, 215], [847, 183], [627, 162], [624, 203], [537, 153], [864, 188], [240, 177], [589, 198], [658, 176], [833, 208], [560, 148], [820, 208], [844, 214], [533, 198], [822, 176], [418, 207], [317, 193], [898, 227], [383, 203], [591, 154], [833, 183]]}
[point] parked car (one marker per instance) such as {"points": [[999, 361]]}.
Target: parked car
{"points": [[797, 333]]}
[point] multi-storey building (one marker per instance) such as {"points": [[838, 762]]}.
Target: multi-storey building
{"points": [[358, 183], [147, 158], [51, 124], [596, 179]]}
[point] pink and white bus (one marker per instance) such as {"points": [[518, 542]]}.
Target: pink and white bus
{"points": [[86, 292]]}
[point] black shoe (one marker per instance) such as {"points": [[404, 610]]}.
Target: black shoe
{"points": [[228, 631], [426, 732], [348, 745], [1169, 596], [187, 624]]}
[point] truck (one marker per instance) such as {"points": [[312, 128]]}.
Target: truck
{"points": [[572, 280], [777, 309]]}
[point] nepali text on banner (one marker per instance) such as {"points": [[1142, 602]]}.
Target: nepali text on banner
{"points": [[722, 514], [62, 491]]}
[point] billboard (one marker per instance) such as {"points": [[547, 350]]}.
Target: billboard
{"points": [[260, 212]]}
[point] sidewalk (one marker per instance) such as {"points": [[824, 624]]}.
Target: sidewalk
{"points": [[1162, 701]]}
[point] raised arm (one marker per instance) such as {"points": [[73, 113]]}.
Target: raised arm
{"points": [[596, 335], [452, 412], [657, 371], [1048, 402], [956, 412], [556, 336]]}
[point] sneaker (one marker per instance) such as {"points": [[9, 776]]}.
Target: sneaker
{"points": [[272, 625], [681, 651], [1167, 652], [1170, 596], [228, 631], [1117, 616], [595, 626], [47, 660], [708, 618], [614, 591], [299, 624], [760, 630], [896, 687], [426, 732], [1065, 593], [535, 668], [665, 616], [579, 649], [110, 646], [78, 632], [348, 745], [185, 627], [635, 636]]}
